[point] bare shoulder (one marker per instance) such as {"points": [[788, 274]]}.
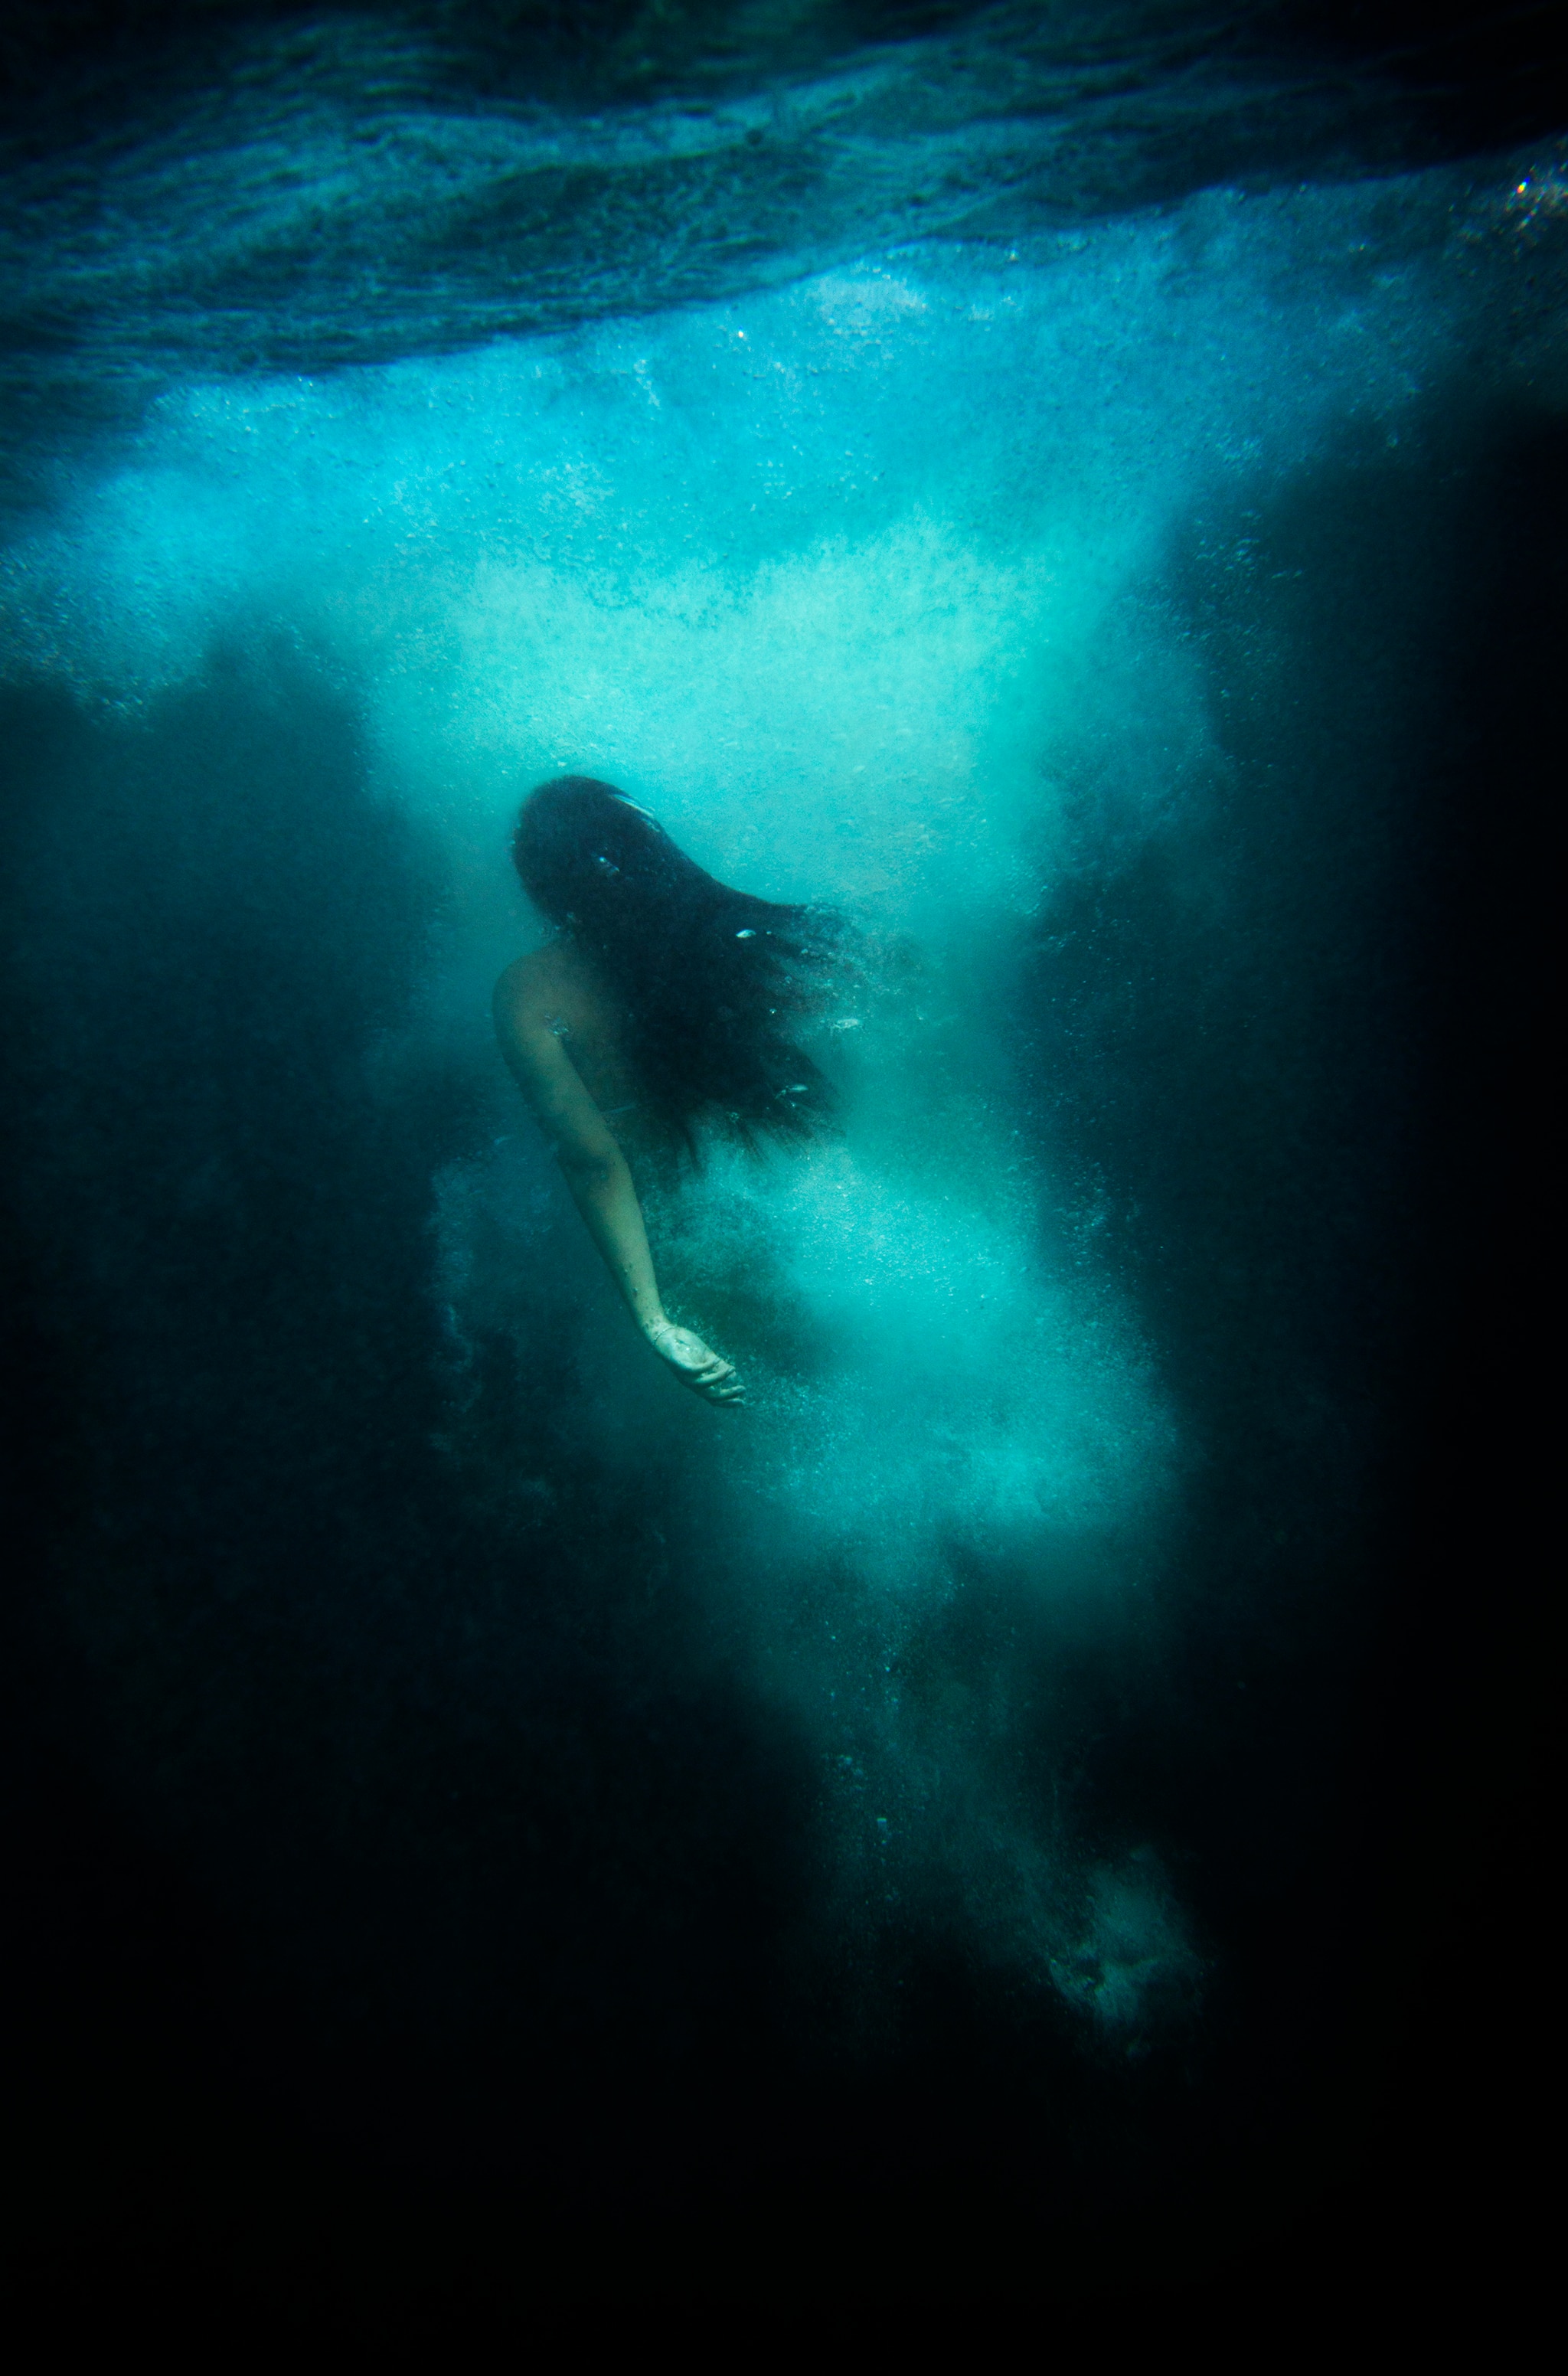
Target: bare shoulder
{"points": [[557, 987], [528, 1020], [531, 983], [535, 1020]]}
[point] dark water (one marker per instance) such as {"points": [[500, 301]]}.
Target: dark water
{"points": [[239, 188], [1042, 1804]]}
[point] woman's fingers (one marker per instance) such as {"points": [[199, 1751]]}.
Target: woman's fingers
{"points": [[697, 1365], [719, 1383]]}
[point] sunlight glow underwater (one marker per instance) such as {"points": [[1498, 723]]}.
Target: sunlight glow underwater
{"points": [[857, 585]]}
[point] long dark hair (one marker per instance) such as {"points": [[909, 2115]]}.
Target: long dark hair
{"points": [[708, 980]]}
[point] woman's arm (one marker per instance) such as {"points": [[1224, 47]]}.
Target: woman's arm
{"points": [[600, 1180]]}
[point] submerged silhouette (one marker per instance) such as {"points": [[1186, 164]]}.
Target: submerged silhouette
{"points": [[663, 1006]]}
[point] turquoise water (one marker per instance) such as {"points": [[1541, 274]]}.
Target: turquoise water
{"points": [[1009, 593]]}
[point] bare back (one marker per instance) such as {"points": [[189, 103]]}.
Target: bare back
{"points": [[556, 988]]}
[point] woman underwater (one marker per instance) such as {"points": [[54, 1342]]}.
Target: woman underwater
{"points": [[663, 1006]]}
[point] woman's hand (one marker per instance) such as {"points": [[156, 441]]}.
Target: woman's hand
{"points": [[695, 1364]]}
